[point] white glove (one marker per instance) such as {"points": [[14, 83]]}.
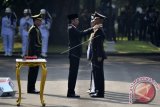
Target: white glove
{"points": [[97, 27]]}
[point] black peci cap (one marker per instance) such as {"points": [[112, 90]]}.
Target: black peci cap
{"points": [[98, 15], [39, 17], [72, 16]]}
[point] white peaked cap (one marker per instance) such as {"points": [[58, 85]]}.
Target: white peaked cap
{"points": [[8, 10], [43, 11], [139, 9], [25, 11]]}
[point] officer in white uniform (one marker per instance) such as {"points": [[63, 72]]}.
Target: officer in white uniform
{"points": [[8, 31], [25, 23], [44, 29]]}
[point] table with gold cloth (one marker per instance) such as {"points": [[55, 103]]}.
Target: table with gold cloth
{"points": [[31, 63]]}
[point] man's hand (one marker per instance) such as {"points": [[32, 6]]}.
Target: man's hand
{"points": [[97, 26]]}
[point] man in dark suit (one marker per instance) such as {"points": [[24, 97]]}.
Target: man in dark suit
{"points": [[75, 49], [34, 49], [98, 56]]}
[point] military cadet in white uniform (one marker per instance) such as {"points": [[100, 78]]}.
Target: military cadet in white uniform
{"points": [[44, 28], [8, 31], [25, 23]]}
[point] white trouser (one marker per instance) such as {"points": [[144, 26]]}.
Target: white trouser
{"points": [[8, 43], [92, 85], [45, 43], [24, 44]]}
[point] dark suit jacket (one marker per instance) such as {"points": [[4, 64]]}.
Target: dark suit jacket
{"points": [[75, 39], [97, 48], [34, 41]]}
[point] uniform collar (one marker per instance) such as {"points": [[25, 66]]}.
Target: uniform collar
{"points": [[35, 25]]}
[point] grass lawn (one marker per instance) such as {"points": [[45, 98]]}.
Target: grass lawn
{"points": [[58, 49], [17, 45], [136, 47], [121, 47]]}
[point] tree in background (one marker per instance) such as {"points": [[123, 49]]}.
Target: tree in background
{"points": [[59, 9], [87, 7], [108, 9]]}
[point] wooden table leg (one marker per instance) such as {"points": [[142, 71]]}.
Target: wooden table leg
{"points": [[18, 67], [43, 79]]}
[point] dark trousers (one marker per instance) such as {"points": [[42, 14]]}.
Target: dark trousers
{"points": [[73, 71], [98, 73], [32, 77]]}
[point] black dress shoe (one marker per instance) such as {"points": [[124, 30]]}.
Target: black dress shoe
{"points": [[33, 92], [73, 96], [96, 95]]}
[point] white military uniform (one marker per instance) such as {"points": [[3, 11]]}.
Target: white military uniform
{"points": [[8, 32], [44, 29], [25, 23]]}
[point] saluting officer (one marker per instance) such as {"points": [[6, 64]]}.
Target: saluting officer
{"points": [[98, 56], [34, 49], [44, 28], [25, 23], [8, 31], [75, 49]]}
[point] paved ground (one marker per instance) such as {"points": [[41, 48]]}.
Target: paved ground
{"points": [[119, 73]]}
